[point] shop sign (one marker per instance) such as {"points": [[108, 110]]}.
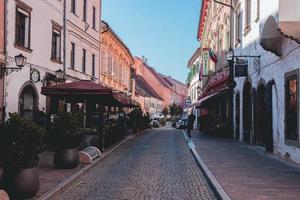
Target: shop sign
{"points": [[205, 62], [188, 101], [241, 70], [219, 76]]}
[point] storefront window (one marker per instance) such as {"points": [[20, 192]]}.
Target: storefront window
{"points": [[291, 106]]}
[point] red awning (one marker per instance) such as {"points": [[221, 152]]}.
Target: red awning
{"points": [[125, 101], [206, 97], [78, 88], [86, 89]]}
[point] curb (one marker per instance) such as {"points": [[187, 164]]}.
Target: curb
{"points": [[211, 179], [59, 188]]}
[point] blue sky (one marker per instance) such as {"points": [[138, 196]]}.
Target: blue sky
{"points": [[162, 30]]}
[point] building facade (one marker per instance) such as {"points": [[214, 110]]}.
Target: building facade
{"points": [[83, 40], [35, 30], [2, 58], [116, 62], [153, 77], [194, 83], [267, 99], [146, 96], [215, 102]]}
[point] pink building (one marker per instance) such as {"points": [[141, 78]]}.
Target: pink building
{"points": [[2, 59], [154, 79]]}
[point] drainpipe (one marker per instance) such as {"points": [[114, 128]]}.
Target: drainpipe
{"points": [[65, 37], [5, 54]]}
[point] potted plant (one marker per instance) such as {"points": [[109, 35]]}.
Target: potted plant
{"points": [[21, 143], [65, 136]]}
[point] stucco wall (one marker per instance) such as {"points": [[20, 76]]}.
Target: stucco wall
{"points": [[41, 36], [271, 67], [88, 39]]}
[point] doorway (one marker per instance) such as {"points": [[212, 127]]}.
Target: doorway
{"points": [[260, 129], [247, 112], [237, 116], [28, 102]]}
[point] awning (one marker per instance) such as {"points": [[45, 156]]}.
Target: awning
{"points": [[125, 101], [271, 39], [86, 89], [77, 88], [198, 103], [289, 19]]}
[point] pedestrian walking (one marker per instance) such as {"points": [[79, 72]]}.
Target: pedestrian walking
{"points": [[190, 123]]}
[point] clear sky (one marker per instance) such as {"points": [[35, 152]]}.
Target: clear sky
{"points": [[162, 30]]}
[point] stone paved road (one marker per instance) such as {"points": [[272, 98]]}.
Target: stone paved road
{"points": [[155, 165]]}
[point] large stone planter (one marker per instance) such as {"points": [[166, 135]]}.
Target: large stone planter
{"points": [[21, 184], [66, 158]]}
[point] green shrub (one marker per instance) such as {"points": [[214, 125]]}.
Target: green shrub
{"points": [[21, 142], [64, 131]]}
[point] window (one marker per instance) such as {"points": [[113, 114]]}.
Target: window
{"points": [[291, 105], [72, 56], [93, 65], [23, 16], [73, 6], [84, 10], [247, 14], [257, 10], [56, 42], [109, 63], [94, 18], [83, 60], [103, 62], [238, 27]]}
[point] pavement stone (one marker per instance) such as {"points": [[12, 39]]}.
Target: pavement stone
{"points": [[247, 173], [155, 165]]}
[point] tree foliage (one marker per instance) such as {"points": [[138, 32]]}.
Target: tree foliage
{"points": [[175, 109], [165, 111]]}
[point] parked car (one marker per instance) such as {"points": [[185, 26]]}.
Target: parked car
{"points": [[155, 123], [182, 124]]}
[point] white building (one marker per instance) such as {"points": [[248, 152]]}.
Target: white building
{"points": [[194, 82], [266, 102], [35, 30], [83, 39]]}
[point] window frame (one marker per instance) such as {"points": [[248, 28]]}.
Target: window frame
{"points": [[288, 77], [72, 55], [56, 28], [73, 7], [94, 17], [84, 9], [93, 65], [84, 60], [26, 9]]}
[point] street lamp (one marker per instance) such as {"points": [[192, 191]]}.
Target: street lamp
{"points": [[59, 74], [198, 89], [20, 61], [230, 55]]}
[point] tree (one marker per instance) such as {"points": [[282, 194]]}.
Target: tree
{"points": [[175, 109], [165, 111]]}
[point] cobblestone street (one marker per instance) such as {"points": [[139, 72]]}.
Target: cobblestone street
{"points": [[155, 165]]}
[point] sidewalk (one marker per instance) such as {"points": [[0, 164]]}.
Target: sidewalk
{"points": [[245, 172]]}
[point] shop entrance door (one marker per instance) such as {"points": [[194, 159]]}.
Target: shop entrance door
{"points": [[247, 112], [28, 102], [237, 116], [260, 133]]}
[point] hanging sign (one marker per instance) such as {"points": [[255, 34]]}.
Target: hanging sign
{"points": [[205, 57], [241, 70]]}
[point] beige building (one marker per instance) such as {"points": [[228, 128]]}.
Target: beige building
{"points": [[35, 30], [116, 68], [83, 39]]}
